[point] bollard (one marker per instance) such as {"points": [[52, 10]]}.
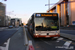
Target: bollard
{"points": [[30, 45]]}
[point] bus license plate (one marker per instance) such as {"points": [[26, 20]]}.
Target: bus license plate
{"points": [[47, 36]]}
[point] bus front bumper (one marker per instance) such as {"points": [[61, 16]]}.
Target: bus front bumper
{"points": [[38, 36]]}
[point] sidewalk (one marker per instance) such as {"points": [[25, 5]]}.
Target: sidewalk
{"points": [[68, 36], [68, 28]]}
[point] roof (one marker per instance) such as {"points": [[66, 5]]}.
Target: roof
{"points": [[56, 4]]}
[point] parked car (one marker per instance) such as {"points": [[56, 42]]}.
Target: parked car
{"points": [[10, 26], [26, 26]]}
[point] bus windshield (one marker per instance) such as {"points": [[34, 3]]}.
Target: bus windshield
{"points": [[46, 24]]}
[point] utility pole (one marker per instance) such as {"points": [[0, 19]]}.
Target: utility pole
{"points": [[49, 5]]}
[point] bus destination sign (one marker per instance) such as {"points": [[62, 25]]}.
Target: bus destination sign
{"points": [[46, 15], [49, 15]]}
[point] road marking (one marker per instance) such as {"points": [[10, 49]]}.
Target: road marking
{"points": [[67, 44], [5, 43], [59, 39], [5, 47], [71, 43]]}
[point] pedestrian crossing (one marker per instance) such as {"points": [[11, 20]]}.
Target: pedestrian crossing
{"points": [[60, 43], [59, 39], [66, 43]]}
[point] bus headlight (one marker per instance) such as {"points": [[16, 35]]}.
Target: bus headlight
{"points": [[57, 33], [36, 34]]}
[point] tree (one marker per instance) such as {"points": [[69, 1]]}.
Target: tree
{"points": [[22, 24]]}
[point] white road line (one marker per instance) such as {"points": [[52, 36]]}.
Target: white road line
{"points": [[67, 43], [7, 45], [2, 48], [59, 39]]}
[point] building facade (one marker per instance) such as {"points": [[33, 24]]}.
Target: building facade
{"points": [[16, 22], [66, 11], [7, 20], [2, 14]]}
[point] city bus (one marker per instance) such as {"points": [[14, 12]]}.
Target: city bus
{"points": [[44, 25]]}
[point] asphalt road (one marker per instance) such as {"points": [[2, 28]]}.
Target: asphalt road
{"points": [[17, 40], [5, 35], [72, 32], [51, 43]]}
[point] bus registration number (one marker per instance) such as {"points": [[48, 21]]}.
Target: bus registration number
{"points": [[47, 36]]}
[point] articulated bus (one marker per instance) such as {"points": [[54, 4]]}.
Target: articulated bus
{"points": [[44, 25]]}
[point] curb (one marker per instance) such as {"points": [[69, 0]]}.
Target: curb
{"points": [[67, 38], [25, 37], [27, 43]]}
